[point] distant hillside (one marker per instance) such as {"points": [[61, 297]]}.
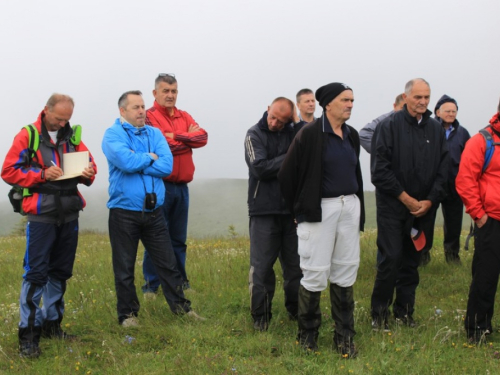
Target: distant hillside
{"points": [[214, 206]]}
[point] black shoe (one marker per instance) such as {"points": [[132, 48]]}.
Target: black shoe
{"points": [[53, 330], [452, 258], [29, 350], [380, 325], [308, 340], [261, 325], [407, 320], [345, 346], [478, 338]]}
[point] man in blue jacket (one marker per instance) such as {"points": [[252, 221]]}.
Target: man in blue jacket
{"points": [[138, 158]]}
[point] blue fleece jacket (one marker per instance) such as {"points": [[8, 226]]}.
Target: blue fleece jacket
{"points": [[132, 170]]}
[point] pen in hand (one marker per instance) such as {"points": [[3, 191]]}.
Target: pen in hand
{"points": [[54, 164]]}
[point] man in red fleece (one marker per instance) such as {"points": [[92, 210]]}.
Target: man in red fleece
{"points": [[478, 188], [182, 134]]}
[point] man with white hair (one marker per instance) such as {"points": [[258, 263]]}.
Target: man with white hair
{"points": [[409, 168]]}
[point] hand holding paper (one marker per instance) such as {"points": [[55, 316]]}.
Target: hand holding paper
{"points": [[76, 164]]}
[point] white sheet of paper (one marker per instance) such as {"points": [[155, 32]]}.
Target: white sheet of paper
{"points": [[73, 164]]}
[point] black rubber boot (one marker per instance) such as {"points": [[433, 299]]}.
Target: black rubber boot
{"points": [[29, 339], [309, 318], [342, 301]]}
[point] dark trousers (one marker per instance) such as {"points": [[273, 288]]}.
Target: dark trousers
{"points": [[48, 263], [273, 237], [126, 228], [453, 211], [175, 210], [485, 272], [397, 268]]}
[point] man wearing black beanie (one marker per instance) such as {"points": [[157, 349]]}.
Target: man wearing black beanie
{"points": [[320, 179], [452, 206]]}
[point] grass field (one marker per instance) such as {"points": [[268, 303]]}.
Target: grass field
{"points": [[226, 343]]}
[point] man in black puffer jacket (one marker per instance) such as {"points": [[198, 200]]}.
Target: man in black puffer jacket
{"points": [[272, 229]]}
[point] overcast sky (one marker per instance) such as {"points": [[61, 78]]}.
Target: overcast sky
{"points": [[232, 58]]}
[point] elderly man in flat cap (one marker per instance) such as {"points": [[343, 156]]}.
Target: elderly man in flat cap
{"points": [[320, 179], [409, 168]]}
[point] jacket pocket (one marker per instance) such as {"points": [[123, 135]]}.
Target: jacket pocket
{"points": [[304, 243]]}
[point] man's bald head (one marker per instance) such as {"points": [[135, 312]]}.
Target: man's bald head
{"points": [[279, 113]]}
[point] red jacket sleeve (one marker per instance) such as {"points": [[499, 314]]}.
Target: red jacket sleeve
{"points": [[469, 174], [14, 170], [194, 139]]}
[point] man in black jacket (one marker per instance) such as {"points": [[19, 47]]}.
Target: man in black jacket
{"points": [[272, 230], [321, 181], [409, 168]]}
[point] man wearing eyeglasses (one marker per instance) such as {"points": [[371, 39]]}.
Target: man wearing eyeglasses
{"points": [[182, 134], [452, 206], [52, 206], [272, 228]]}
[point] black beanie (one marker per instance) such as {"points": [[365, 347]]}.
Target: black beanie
{"points": [[325, 94], [445, 99]]}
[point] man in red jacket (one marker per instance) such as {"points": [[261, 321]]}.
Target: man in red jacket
{"points": [[182, 134], [52, 206], [478, 187]]}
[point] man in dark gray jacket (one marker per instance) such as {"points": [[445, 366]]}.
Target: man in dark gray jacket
{"points": [[272, 229]]}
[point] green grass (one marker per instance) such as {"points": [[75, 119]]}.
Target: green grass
{"points": [[226, 343]]}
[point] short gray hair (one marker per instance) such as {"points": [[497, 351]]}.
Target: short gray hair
{"points": [[167, 78], [59, 98], [399, 99], [409, 84], [283, 100], [123, 101]]}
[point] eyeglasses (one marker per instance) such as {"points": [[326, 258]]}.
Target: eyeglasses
{"points": [[450, 112], [166, 75]]}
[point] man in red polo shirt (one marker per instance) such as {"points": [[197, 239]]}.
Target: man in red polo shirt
{"points": [[182, 134]]}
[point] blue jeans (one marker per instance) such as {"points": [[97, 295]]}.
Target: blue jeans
{"points": [[48, 263], [175, 209], [126, 228]]}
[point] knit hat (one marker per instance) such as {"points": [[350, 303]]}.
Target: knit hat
{"points": [[325, 94], [445, 99]]}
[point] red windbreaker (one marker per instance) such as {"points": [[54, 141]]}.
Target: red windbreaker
{"points": [[478, 190], [14, 171], [182, 143]]}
